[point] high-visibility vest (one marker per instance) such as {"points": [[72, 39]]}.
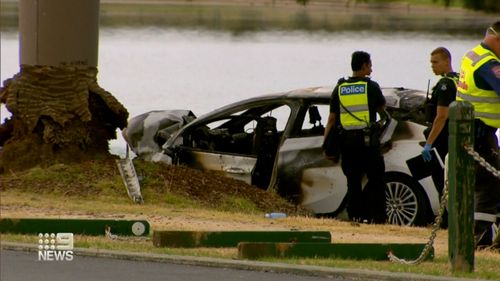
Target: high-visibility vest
{"points": [[354, 113], [486, 102]]}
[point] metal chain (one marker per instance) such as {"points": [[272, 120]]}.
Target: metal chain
{"points": [[444, 199], [437, 224], [482, 162]]}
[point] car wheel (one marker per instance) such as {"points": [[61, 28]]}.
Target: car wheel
{"points": [[405, 201]]}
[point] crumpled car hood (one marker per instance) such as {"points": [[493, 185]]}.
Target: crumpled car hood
{"points": [[146, 133]]}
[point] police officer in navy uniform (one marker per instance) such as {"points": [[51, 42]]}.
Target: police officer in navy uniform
{"points": [[443, 93], [479, 83], [353, 107]]}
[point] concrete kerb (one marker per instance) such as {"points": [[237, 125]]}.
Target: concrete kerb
{"points": [[305, 270]]}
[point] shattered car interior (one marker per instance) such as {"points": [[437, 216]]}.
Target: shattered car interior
{"points": [[252, 133], [275, 142]]}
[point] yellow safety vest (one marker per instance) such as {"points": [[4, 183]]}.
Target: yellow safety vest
{"points": [[486, 102], [354, 113]]}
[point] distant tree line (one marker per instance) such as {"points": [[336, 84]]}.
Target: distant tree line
{"points": [[485, 5], [489, 6]]}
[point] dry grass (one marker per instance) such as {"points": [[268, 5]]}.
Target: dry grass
{"points": [[98, 192]]}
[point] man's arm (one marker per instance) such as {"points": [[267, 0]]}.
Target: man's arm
{"points": [[334, 110], [438, 123], [446, 95], [381, 111], [332, 118], [490, 74], [330, 125]]}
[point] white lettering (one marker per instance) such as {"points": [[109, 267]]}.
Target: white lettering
{"points": [[58, 249], [51, 255], [59, 255], [42, 255], [64, 241], [352, 89], [69, 255]]}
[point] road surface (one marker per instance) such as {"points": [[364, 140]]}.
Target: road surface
{"points": [[25, 266]]}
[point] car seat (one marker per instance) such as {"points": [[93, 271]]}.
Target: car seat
{"points": [[265, 145]]}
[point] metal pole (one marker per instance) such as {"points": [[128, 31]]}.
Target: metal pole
{"points": [[461, 177]]}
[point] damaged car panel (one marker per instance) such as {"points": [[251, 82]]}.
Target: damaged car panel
{"points": [[249, 134], [147, 132], [275, 142]]}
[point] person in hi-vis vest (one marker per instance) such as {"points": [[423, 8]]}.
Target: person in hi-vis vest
{"points": [[479, 83], [353, 107]]}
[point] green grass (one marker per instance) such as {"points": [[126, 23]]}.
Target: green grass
{"points": [[486, 263], [175, 200], [109, 204], [238, 204]]}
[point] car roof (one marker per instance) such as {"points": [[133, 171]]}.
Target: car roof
{"points": [[396, 97], [314, 93]]}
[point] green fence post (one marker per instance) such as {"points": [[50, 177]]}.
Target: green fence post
{"points": [[461, 180]]}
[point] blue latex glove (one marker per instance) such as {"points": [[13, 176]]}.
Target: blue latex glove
{"points": [[426, 153]]}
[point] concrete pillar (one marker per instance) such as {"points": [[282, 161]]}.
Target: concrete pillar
{"points": [[59, 32]]}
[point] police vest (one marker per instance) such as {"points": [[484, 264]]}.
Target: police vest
{"points": [[354, 113], [486, 102]]}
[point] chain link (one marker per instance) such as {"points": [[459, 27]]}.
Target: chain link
{"points": [[481, 161], [444, 199], [435, 227]]}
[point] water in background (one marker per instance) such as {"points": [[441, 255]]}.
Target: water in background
{"points": [[150, 67]]}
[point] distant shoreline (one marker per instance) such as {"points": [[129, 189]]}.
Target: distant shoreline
{"points": [[340, 5]]}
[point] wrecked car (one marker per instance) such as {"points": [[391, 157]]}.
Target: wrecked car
{"points": [[275, 142]]}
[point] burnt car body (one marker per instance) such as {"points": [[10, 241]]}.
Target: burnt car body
{"points": [[275, 142]]}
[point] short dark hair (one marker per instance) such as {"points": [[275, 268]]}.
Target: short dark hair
{"points": [[494, 29], [358, 59], [443, 52]]}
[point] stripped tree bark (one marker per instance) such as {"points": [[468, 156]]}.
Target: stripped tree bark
{"points": [[59, 112]]}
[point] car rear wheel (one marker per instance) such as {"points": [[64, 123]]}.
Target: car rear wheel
{"points": [[405, 201]]}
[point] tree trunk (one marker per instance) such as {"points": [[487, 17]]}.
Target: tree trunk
{"points": [[59, 112]]}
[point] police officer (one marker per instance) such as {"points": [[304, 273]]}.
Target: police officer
{"points": [[353, 108], [479, 83], [443, 93]]}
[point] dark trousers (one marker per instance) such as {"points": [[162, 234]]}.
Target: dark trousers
{"points": [[441, 145], [487, 188], [357, 160]]}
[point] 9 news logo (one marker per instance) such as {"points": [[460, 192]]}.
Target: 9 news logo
{"points": [[55, 246]]}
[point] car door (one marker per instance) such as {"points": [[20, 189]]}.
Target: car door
{"points": [[219, 147], [236, 166], [243, 145], [304, 174]]}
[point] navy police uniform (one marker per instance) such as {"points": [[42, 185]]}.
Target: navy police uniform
{"points": [[359, 158], [443, 94]]}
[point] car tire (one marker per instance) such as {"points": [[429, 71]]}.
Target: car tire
{"points": [[405, 201]]}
